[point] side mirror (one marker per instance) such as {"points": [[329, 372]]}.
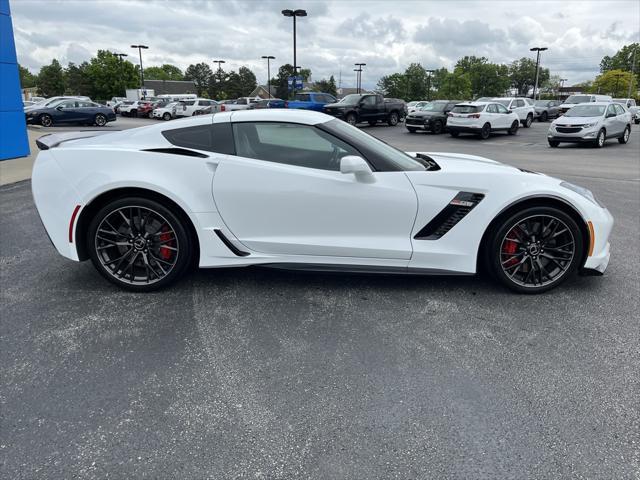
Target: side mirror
{"points": [[358, 166], [509, 111], [59, 107], [611, 114]]}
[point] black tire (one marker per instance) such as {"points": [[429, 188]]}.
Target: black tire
{"points": [[528, 121], [636, 121], [351, 119], [543, 117], [625, 135], [373, 123], [411, 129], [139, 248], [393, 119], [134, 113], [100, 120], [46, 120], [553, 257], [553, 143], [454, 133], [514, 128], [485, 132], [166, 116], [600, 139], [438, 127]]}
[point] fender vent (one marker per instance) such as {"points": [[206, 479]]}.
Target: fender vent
{"points": [[449, 216], [236, 251]]}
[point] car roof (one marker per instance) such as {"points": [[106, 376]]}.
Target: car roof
{"points": [[474, 104]]}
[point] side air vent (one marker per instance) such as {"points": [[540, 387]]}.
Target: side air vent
{"points": [[176, 151], [429, 163], [236, 251], [456, 210]]}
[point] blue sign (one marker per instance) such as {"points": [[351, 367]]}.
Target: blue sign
{"points": [[298, 83]]}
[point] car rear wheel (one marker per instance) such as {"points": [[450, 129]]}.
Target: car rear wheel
{"points": [[529, 120], [543, 117], [351, 119], [535, 250], [437, 127], [139, 244], [553, 143], [100, 120], [133, 113], [625, 136], [600, 139], [46, 120], [393, 119], [166, 116], [485, 132], [514, 128]]}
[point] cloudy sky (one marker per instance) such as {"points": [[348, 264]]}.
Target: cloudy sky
{"points": [[385, 34]]}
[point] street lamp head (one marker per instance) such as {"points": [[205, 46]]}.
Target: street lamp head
{"points": [[538, 49], [269, 57], [287, 13], [139, 46], [300, 13]]}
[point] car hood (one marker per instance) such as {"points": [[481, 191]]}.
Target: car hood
{"points": [[575, 120], [466, 163], [419, 113], [339, 105]]}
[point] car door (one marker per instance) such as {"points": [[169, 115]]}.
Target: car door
{"points": [[622, 117], [518, 106], [503, 116], [369, 108], [283, 194], [611, 122], [67, 112], [86, 111]]}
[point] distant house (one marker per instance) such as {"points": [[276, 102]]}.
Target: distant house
{"points": [[565, 92], [262, 92], [169, 87]]}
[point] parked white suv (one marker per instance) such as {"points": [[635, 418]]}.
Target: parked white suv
{"points": [[167, 112], [186, 108], [482, 118], [573, 100], [630, 104], [523, 107], [591, 123]]}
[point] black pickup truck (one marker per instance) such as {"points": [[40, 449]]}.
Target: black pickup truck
{"points": [[371, 108]]}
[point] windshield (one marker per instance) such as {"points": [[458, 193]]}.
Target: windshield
{"points": [[542, 103], [578, 99], [467, 108], [504, 102], [351, 99], [377, 146], [586, 111], [433, 107]]}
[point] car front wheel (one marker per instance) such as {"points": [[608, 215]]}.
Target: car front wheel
{"points": [[543, 117], [438, 127], [625, 136], [485, 132], [351, 119], [46, 120], [535, 250], [527, 123], [166, 116], [139, 244], [553, 143], [100, 120], [600, 139], [514, 128], [393, 119]]}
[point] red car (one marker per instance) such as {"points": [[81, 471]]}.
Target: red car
{"points": [[145, 109]]}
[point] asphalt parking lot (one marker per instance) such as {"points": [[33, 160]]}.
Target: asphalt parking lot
{"points": [[256, 373]]}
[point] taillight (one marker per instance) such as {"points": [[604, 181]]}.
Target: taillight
{"points": [[474, 115], [449, 114], [222, 109]]}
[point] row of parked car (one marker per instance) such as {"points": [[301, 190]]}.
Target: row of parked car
{"points": [[580, 119], [60, 110]]}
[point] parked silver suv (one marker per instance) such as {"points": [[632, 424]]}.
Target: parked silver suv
{"points": [[591, 123]]}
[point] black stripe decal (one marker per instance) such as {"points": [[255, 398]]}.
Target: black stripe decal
{"points": [[236, 251], [449, 216]]}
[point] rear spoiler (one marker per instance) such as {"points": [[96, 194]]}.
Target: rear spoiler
{"points": [[51, 140]]}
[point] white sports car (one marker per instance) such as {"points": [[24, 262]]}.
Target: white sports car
{"points": [[300, 189]]}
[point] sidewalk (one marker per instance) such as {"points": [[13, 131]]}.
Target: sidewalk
{"points": [[17, 169]]}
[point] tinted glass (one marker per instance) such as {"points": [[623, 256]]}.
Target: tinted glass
{"points": [[467, 108], [504, 102], [501, 108], [433, 107], [291, 144], [519, 103], [491, 108], [303, 97], [578, 99], [586, 111], [212, 138], [619, 109], [369, 100], [189, 102]]}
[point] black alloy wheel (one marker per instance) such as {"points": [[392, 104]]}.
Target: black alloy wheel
{"points": [[351, 119], [100, 120], [543, 117], [139, 244], [528, 121], [554, 143], [625, 136], [485, 132], [600, 139], [536, 249], [438, 127], [514, 128], [166, 116], [393, 119], [46, 120]]}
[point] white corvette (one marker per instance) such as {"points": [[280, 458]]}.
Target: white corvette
{"points": [[302, 190]]}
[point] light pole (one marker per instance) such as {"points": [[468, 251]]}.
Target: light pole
{"points": [[538, 50], [562, 80], [359, 65], [294, 14], [140, 47], [357, 79], [269, 58], [219, 71], [121, 56], [429, 73]]}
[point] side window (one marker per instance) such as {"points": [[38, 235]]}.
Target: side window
{"points": [[369, 100], [68, 104], [501, 108], [189, 103], [212, 138], [632, 103], [611, 109], [291, 144], [303, 97], [619, 109], [519, 103], [491, 108]]}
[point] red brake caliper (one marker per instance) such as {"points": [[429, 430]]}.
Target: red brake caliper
{"points": [[165, 253], [509, 248]]}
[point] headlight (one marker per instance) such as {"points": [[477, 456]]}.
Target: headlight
{"points": [[586, 193], [589, 125]]}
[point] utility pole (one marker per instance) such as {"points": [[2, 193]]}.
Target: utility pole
{"points": [[140, 48], [429, 73], [537, 49], [633, 71], [219, 71], [294, 14], [562, 80], [268, 58], [359, 80], [121, 56]]}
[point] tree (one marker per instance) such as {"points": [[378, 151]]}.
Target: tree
{"points": [[246, 81], [51, 79], [487, 79], [455, 86], [27, 79], [201, 74], [615, 83], [623, 60], [523, 75], [109, 76], [77, 79], [393, 85], [326, 86], [164, 72]]}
